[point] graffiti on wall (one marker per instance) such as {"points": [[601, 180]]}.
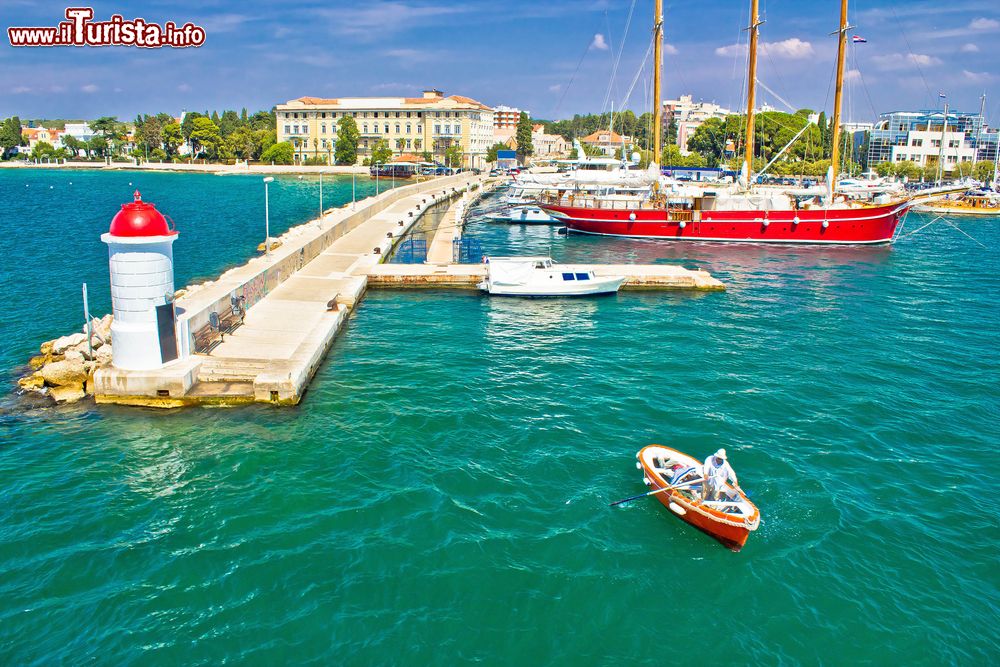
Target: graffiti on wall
{"points": [[254, 290]]}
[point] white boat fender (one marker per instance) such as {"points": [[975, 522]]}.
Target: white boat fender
{"points": [[638, 465], [683, 225], [766, 222], [826, 223], [645, 480], [795, 220], [631, 216], [677, 509]]}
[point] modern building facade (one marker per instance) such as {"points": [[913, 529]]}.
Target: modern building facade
{"points": [[505, 117], [431, 123], [925, 136], [689, 115]]}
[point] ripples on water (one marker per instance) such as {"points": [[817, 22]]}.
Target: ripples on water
{"points": [[441, 494]]}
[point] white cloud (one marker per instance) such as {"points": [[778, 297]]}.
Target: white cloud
{"points": [[852, 75], [792, 48], [372, 21], [20, 89], [984, 24], [184, 88], [670, 49], [978, 77], [89, 88], [894, 61], [970, 48], [599, 43], [555, 88]]}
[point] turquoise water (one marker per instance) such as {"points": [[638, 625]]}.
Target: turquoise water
{"points": [[440, 496]]}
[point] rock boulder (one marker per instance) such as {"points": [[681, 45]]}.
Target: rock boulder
{"points": [[65, 373], [60, 345], [67, 394]]}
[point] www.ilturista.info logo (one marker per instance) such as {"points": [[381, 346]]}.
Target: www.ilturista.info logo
{"points": [[80, 30]]}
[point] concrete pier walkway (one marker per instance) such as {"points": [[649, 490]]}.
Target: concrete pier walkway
{"points": [[299, 296]]}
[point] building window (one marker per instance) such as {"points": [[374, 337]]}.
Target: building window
{"points": [[323, 127], [953, 143], [407, 143], [917, 142], [364, 128], [437, 129], [387, 127], [397, 128], [418, 128], [397, 114], [408, 128], [407, 114], [287, 130]]}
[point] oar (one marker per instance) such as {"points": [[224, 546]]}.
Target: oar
{"points": [[649, 493]]}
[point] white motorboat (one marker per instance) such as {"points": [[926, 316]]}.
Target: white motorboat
{"points": [[527, 215], [540, 276]]}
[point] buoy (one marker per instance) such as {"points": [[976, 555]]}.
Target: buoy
{"points": [[631, 216], [638, 465], [826, 223], [677, 509]]}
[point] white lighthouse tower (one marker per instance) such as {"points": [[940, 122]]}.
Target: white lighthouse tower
{"points": [[140, 247]]}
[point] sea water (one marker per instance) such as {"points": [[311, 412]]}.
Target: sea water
{"points": [[441, 494]]}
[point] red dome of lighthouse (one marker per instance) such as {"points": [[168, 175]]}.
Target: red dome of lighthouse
{"points": [[139, 218]]}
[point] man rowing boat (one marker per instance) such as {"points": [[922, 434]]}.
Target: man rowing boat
{"points": [[717, 472]]}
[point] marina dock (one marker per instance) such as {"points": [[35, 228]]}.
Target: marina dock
{"points": [[299, 296]]}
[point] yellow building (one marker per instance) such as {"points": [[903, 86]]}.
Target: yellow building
{"points": [[430, 124]]}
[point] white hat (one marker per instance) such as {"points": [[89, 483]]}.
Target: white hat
{"points": [[721, 454]]}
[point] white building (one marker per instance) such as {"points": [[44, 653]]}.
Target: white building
{"points": [[505, 117], [689, 115], [431, 123], [924, 137]]}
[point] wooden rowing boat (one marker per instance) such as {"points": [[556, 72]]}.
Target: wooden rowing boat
{"points": [[730, 519]]}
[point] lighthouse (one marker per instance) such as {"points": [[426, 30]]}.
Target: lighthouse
{"points": [[140, 249]]}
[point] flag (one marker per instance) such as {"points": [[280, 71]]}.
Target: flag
{"points": [[942, 96], [857, 39]]}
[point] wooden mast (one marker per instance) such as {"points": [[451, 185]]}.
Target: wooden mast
{"points": [[657, 66], [838, 96], [751, 87]]}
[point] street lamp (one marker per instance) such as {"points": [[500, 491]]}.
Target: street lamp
{"points": [[377, 170], [267, 218]]}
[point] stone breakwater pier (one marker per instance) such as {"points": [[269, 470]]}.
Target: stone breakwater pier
{"points": [[259, 332]]}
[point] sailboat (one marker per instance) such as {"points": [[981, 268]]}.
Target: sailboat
{"points": [[747, 214]]}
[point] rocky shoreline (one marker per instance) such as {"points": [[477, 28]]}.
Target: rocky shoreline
{"points": [[64, 368]]}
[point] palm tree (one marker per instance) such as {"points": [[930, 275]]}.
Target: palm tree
{"points": [[400, 144]]}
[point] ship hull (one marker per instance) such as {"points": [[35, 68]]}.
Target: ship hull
{"points": [[867, 225]]}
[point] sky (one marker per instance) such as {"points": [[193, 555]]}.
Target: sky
{"points": [[553, 58]]}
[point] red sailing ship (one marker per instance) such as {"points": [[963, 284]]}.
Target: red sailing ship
{"points": [[749, 214]]}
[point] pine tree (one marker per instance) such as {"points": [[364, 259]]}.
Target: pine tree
{"points": [[523, 138]]}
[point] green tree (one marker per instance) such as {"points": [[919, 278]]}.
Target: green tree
{"points": [[187, 125], [983, 171], [229, 123], [172, 138], [282, 153], [347, 141], [243, 143], [381, 153], [73, 145], [453, 155], [885, 169], [99, 145], [106, 126], [10, 136], [426, 156], [42, 149], [206, 137], [400, 145], [909, 169], [523, 137]]}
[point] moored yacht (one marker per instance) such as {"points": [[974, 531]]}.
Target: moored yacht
{"points": [[540, 276]]}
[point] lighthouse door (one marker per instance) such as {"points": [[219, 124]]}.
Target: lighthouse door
{"points": [[168, 332]]}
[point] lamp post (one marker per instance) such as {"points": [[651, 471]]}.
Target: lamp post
{"points": [[267, 218], [321, 194], [377, 170]]}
